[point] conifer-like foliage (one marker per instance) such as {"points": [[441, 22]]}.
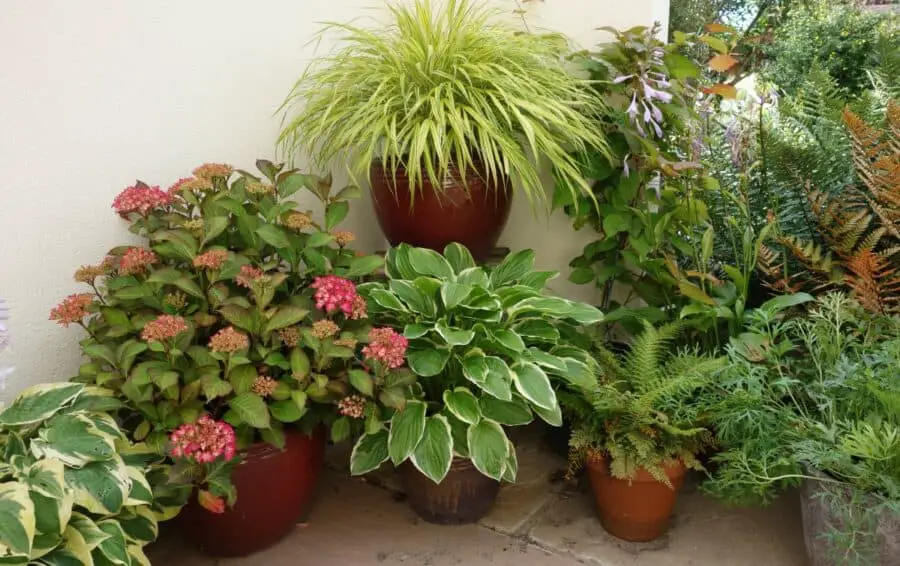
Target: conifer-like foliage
{"points": [[646, 408], [858, 229]]}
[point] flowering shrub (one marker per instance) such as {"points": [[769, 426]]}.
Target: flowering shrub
{"points": [[207, 449], [485, 349], [236, 307]]}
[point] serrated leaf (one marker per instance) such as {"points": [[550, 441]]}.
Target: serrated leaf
{"points": [[252, 409], [335, 214], [285, 316], [274, 236]]}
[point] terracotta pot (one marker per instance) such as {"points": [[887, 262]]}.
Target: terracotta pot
{"points": [[274, 490], [637, 510], [464, 496], [820, 516], [471, 213]]}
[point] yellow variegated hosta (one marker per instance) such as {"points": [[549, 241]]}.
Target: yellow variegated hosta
{"points": [[66, 494]]}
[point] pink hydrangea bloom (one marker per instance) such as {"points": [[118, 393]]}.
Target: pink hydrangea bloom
{"points": [[72, 309], [335, 293], [136, 260], [248, 275], [163, 327], [140, 198], [203, 441], [178, 185], [213, 259], [386, 346], [229, 340]]}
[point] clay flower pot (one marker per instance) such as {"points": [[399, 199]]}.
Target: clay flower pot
{"points": [[636, 510], [471, 213], [464, 496], [274, 489]]}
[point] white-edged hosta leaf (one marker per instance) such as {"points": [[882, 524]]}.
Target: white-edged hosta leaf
{"points": [[534, 385], [99, 487], [39, 402], [509, 413], [17, 522], [453, 293], [512, 465], [454, 336], [74, 440], [89, 530], [427, 361], [458, 256], [369, 452], [463, 405], [407, 428], [488, 448], [115, 547], [434, 453]]}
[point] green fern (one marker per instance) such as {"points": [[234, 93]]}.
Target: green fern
{"points": [[646, 409]]}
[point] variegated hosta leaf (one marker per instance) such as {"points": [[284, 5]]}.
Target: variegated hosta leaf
{"points": [[100, 487], [47, 478], [77, 546], [141, 493], [51, 514], [88, 529], [43, 544], [74, 439], [138, 558], [106, 424], [62, 556], [16, 522], [39, 403], [139, 524], [114, 549]]}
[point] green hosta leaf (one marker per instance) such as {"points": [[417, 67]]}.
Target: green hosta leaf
{"points": [[335, 214], [546, 360], [286, 316], [454, 336], [552, 417], [458, 256], [17, 523], [434, 453], [251, 408], [537, 330], [509, 339], [274, 236], [415, 299], [51, 516], [430, 264], [463, 405], [74, 440], [114, 547], [458, 431], [364, 265], [40, 402], [362, 382], [512, 465], [452, 294], [397, 263], [407, 427], [46, 478], [139, 524], [370, 451], [513, 268], [510, 413], [578, 374], [554, 307], [412, 331], [386, 300], [141, 493], [88, 529], [99, 487], [534, 385], [473, 276], [497, 379], [584, 314], [427, 362], [488, 448]]}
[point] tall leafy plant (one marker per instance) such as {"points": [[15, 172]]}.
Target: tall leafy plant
{"points": [[484, 348], [441, 85]]}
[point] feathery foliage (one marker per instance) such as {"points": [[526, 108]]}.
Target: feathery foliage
{"points": [[446, 83], [645, 410]]}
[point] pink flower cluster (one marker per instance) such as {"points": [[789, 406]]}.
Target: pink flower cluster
{"points": [[336, 293], [213, 259], [136, 260], [140, 198], [72, 309], [248, 275], [353, 406], [178, 185], [203, 441], [386, 346], [229, 340], [163, 327]]}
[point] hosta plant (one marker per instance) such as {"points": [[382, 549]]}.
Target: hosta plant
{"points": [[483, 348], [71, 490], [235, 305], [646, 408]]}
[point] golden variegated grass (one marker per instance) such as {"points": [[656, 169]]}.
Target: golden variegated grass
{"points": [[445, 84]]}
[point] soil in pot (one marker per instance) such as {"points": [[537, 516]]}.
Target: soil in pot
{"points": [[825, 507], [467, 210], [464, 496], [636, 510], [274, 487]]}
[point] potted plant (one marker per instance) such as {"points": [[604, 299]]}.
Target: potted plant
{"points": [[482, 349], [71, 489], [237, 312], [444, 109], [638, 429], [812, 402]]}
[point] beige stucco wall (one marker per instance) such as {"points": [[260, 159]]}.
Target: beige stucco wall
{"points": [[96, 93]]}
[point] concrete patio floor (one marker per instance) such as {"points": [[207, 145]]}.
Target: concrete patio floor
{"points": [[541, 521]]}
